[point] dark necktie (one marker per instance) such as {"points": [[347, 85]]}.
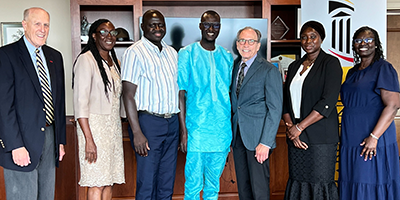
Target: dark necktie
{"points": [[240, 78], [47, 96]]}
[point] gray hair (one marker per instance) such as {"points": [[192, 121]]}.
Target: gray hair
{"points": [[249, 28]]}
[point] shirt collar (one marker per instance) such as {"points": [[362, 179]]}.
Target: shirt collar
{"points": [[250, 61], [153, 46], [31, 48]]}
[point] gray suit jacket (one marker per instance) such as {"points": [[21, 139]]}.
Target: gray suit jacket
{"points": [[258, 108]]}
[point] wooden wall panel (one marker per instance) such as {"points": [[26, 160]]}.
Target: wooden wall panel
{"points": [[66, 174], [393, 41], [284, 2], [129, 188], [279, 168], [195, 9], [2, 186], [397, 122]]}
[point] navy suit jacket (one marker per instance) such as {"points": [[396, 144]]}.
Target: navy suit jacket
{"points": [[22, 116], [258, 108]]}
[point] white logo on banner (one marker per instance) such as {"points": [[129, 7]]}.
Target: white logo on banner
{"points": [[341, 18], [341, 35]]}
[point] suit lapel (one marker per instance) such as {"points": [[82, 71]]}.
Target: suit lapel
{"points": [[314, 68], [252, 70], [234, 75], [29, 67], [293, 72]]}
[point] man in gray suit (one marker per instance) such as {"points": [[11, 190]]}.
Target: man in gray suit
{"points": [[256, 95]]}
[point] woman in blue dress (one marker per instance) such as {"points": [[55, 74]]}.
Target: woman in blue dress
{"points": [[369, 158]]}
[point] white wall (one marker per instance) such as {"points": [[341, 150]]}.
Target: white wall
{"points": [[60, 30]]}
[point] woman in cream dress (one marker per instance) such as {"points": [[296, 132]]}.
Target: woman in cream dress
{"points": [[97, 92]]}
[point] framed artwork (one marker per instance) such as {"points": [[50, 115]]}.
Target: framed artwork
{"points": [[11, 32], [276, 64], [284, 61], [278, 29]]}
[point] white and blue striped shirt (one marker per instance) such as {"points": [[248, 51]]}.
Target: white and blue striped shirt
{"points": [[155, 73]]}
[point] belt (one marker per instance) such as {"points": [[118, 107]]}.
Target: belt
{"points": [[166, 115]]}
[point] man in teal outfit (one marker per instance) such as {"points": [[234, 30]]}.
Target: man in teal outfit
{"points": [[204, 76]]}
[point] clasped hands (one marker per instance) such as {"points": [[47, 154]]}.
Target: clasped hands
{"points": [[293, 134]]}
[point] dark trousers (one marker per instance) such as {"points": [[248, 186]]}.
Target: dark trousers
{"points": [[155, 173], [38, 184], [252, 177]]}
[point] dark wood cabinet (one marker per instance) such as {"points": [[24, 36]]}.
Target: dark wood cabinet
{"points": [[290, 43]]}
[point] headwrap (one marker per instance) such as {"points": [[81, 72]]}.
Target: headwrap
{"points": [[316, 26]]}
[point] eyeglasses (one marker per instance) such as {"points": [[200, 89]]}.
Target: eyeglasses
{"points": [[105, 33], [243, 41], [366, 40], [207, 25]]}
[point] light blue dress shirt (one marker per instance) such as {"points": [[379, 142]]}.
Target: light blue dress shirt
{"points": [[32, 53], [248, 64]]}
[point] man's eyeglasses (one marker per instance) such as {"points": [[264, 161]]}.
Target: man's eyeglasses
{"points": [[243, 41], [207, 25], [366, 40], [105, 33]]}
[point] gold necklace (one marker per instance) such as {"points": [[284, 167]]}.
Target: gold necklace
{"points": [[310, 63]]}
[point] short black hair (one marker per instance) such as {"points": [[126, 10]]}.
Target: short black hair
{"points": [[150, 12], [210, 12], [316, 26]]}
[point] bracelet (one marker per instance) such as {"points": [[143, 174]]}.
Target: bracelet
{"points": [[373, 136], [298, 128]]}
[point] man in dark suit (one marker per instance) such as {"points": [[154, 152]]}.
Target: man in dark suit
{"points": [[32, 111], [256, 95]]}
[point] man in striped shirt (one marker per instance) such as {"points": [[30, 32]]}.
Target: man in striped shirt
{"points": [[150, 94]]}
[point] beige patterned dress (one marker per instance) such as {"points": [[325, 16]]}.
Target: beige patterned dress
{"points": [[107, 135]]}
